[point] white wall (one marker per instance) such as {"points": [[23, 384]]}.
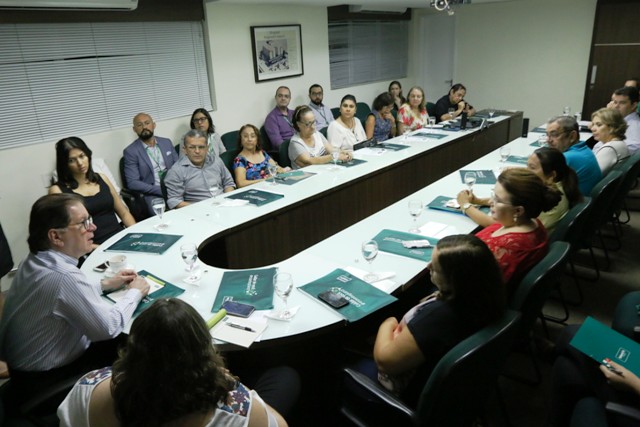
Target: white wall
{"points": [[239, 99], [529, 55]]}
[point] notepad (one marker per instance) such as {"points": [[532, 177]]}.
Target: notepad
{"points": [[244, 332]]}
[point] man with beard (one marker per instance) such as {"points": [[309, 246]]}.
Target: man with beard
{"points": [[147, 159], [323, 114]]}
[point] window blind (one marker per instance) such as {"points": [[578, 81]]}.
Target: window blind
{"points": [[365, 52], [58, 80]]}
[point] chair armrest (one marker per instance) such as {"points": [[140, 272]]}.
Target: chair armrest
{"points": [[379, 393], [625, 410]]}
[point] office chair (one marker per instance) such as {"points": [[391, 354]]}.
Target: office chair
{"points": [[283, 154], [455, 393], [264, 138], [431, 109], [230, 140], [228, 157], [630, 169], [362, 111], [335, 112], [531, 294], [133, 199]]}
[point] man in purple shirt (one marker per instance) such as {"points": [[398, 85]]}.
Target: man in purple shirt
{"points": [[279, 122]]}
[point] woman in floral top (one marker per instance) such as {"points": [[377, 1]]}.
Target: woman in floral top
{"points": [[252, 163], [413, 115]]}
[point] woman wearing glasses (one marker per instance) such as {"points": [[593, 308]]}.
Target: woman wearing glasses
{"points": [[75, 175], [252, 163], [201, 120], [308, 146], [513, 231]]}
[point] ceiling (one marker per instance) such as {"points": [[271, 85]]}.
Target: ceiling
{"points": [[414, 4]]}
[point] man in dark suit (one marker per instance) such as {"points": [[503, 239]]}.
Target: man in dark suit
{"points": [[147, 159]]}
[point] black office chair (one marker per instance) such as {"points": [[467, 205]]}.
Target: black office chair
{"points": [[335, 112], [431, 109], [533, 291], [133, 199], [228, 157], [630, 169], [362, 111], [230, 140], [283, 152], [455, 393], [264, 138], [324, 131]]}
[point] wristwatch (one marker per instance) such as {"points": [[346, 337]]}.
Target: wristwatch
{"points": [[465, 207]]}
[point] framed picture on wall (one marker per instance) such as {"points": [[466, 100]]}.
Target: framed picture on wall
{"points": [[277, 52]]}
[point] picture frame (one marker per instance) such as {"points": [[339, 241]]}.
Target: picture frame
{"points": [[277, 52]]}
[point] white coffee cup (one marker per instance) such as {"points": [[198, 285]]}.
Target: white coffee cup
{"points": [[116, 263]]}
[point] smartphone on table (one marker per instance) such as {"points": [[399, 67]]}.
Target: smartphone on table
{"points": [[238, 309]]}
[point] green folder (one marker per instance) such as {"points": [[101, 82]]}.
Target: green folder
{"points": [[517, 159], [152, 243], [482, 176], [352, 162], [254, 287], [159, 289], [391, 241], [440, 203], [256, 197], [599, 342], [431, 135], [393, 147], [290, 178], [363, 298]]}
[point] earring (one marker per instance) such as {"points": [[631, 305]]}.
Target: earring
{"points": [[515, 218]]}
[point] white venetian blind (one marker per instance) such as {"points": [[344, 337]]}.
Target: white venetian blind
{"points": [[58, 80], [365, 52]]}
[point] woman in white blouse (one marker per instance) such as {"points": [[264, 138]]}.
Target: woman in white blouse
{"points": [[308, 146], [347, 129], [608, 128]]}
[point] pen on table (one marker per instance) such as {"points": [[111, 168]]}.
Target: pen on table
{"points": [[244, 328]]}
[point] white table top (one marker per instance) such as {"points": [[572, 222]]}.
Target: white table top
{"points": [[202, 220]]}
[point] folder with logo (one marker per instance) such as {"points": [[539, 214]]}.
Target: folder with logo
{"points": [[599, 342]]}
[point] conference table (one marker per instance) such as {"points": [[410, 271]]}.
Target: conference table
{"points": [[320, 223]]}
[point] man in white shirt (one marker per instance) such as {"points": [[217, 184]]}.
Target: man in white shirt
{"points": [[323, 114], [625, 100], [54, 316]]}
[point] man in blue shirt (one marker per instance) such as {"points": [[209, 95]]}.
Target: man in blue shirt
{"points": [[563, 134]]}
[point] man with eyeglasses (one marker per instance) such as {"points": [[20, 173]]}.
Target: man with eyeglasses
{"points": [[625, 100], [55, 324], [198, 175], [279, 122], [147, 160], [323, 114], [563, 134]]}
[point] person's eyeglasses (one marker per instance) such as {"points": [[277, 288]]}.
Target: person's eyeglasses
{"points": [[308, 124], [495, 201], [84, 224], [142, 124], [555, 134], [196, 147], [200, 120]]}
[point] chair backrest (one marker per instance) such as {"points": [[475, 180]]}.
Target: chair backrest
{"points": [[230, 140], [123, 178], [603, 195], [283, 151], [534, 289], [362, 111], [227, 158], [336, 112], [264, 138], [177, 148], [569, 228], [431, 109], [324, 131], [465, 378], [630, 169]]}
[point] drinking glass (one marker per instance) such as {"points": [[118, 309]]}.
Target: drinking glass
{"points": [[415, 209], [273, 172], [451, 111], [335, 155], [369, 253], [470, 178], [566, 111], [189, 253], [491, 113], [504, 153], [542, 140], [158, 207], [283, 285], [432, 122]]}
